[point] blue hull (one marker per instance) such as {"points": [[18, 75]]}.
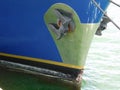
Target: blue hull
{"points": [[23, 31]]}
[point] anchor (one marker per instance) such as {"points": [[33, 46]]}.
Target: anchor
{"points": [[64, 24]]}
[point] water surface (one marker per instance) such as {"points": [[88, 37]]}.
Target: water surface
{"points": [[102, 71]]}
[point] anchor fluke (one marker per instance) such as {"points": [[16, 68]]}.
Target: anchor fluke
{"points": [[64, 24]]}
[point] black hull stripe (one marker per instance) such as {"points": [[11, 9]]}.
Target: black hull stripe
{"points": [[72, 71]]}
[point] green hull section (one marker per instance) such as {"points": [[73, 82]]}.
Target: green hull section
{"points": [[73, 47], [12, 80]]}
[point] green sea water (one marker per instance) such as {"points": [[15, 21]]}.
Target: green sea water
{"points": [[102, 71], [16, 80]]}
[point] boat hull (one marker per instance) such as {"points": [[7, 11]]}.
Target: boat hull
{"points": [[26, 37]]}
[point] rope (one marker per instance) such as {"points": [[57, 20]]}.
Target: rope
{"points": [[98, 6], [114, 3]]}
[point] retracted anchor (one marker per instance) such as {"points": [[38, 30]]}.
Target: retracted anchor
{"points": [[64, 24]]}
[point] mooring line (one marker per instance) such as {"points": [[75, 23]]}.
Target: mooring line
{"points": [[98, 6]]}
